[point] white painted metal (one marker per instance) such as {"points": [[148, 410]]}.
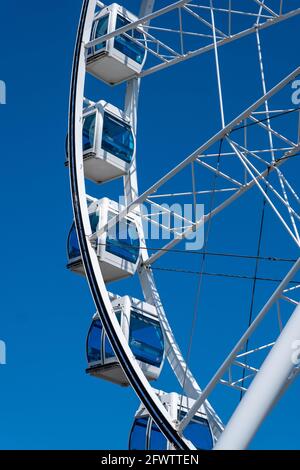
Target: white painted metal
{"points": [[112, 267], [141, 21], [232, 356], [239, 192], [133, 201], [270, 135], [109, 367], [264, 391], [81, 209], [173, 353], [176, 55], [101, 165], [247, 165], [217, 64], [216, 138], [175, 404], [110, 64]]}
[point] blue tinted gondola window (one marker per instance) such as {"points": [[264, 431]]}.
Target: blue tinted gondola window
{"points": [[94, 342], [146, 339], [94, 220], [138, 434], [107, 346], [88, 133], [73, 246], [157, 439], [127, 46], [101, 29], [117, 138], [198, 432], [122, 240]]}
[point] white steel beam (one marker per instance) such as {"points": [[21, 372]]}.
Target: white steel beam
{"points": [[221, 42], [246, 164], [82, 223], [264, 391], [179, 56], [241, 191], [240, 344], [151, 294], [217, 137], [135, 24]]}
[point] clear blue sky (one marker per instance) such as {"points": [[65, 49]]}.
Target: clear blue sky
{"points": [[46, 400]]}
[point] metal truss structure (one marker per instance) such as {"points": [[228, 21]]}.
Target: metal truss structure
{"points": [[250, 153]]}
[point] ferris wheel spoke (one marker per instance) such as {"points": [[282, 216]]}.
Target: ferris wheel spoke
{"points": [[283, 183], [231, 12], [277, 372], [264, 6], [225, 39], [288, 299], [284, 199], [248, 165], [233, 126], [272, 131], [89, 257], [209, 24], [237, 194], [239, 382], [159, 44], [252, 351], [254, 150], [200, 161], [240, 344]]}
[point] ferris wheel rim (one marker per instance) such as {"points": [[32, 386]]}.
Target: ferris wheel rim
{"points": [[164, 424], [151, 402]]}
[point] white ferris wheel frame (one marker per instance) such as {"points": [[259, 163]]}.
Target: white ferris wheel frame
{"points": [[235, 435]]}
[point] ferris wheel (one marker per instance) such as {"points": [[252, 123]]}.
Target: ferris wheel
{"points": [[131, 339]]}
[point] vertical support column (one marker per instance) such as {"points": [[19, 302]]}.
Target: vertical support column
{"points": [[265, 390], [131, 107], [173, 353]]}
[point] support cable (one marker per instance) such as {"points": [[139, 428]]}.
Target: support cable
{"points": [[200, 280]]}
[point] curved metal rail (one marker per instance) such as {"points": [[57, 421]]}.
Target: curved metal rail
{"points": [[93, 273]]}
